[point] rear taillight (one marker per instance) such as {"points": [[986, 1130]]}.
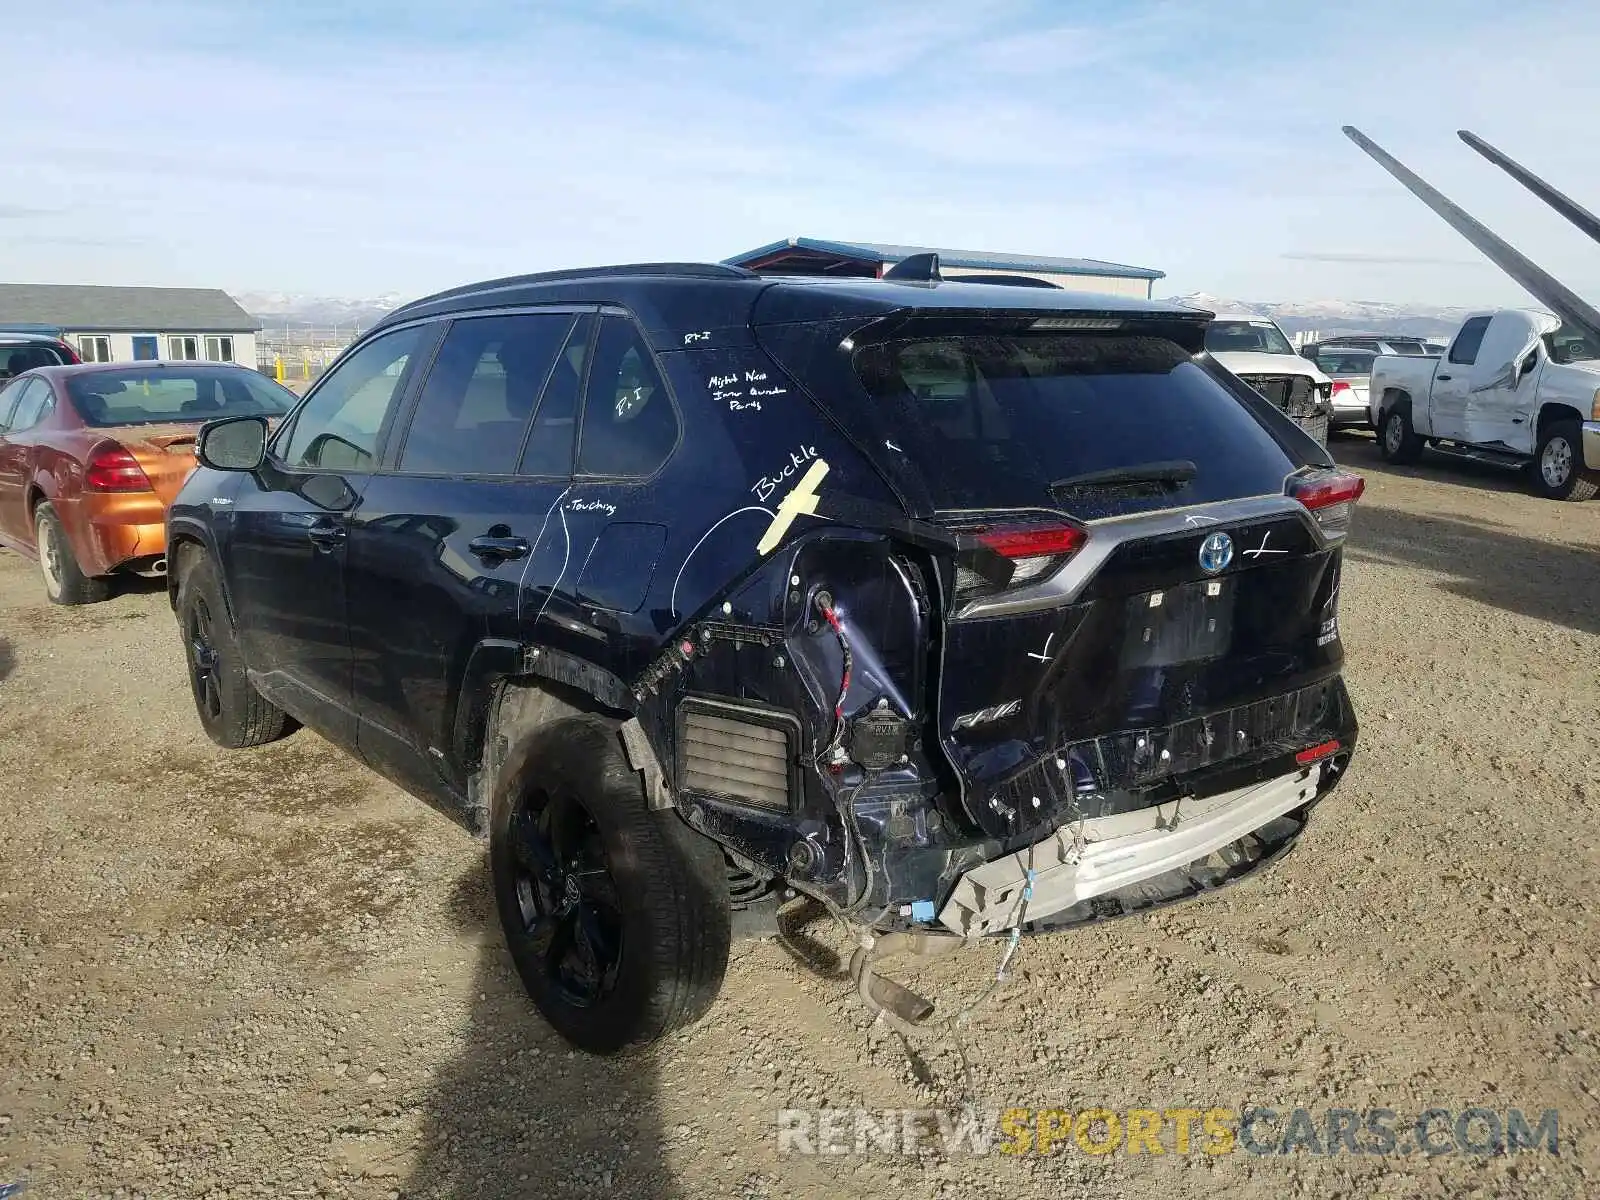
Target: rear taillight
{"points": [[1330, 496], [70, 352], [114, 469], [1027, 553], [1340, 385]]}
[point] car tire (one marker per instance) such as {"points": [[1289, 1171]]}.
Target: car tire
{"points": [[617, 916], [64, 580], [233, 714], [1398, 442], [1558, 472]]}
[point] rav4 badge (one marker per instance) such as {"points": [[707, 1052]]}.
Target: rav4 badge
{"points": [[1216, 552]]}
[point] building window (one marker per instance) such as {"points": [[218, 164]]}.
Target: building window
{"points": [[219, 349], [186, 347], [94, 348]]}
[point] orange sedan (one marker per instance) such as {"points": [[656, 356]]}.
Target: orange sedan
{"points": [[91, 455]]}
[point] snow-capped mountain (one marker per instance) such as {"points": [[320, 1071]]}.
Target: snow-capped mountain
{"points": [[1339, 316], [287, 310]]}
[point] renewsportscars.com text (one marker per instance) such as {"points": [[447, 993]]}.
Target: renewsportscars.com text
{"points": [[1253, 1129]]}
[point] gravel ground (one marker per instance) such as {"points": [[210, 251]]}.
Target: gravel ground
{"points": [[271, 973]]}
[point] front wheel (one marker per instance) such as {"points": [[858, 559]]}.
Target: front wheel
{"points": [[233, 714], [1398, 442], [616, 915], [1558, 464]]}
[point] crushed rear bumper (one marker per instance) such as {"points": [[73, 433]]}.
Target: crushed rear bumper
{"points": [[1129, 861]]}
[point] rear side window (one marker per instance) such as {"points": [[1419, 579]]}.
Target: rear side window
{"points": [[480, 393], [8, 403], [1464, 349], [1011, 420], [629, 424]]}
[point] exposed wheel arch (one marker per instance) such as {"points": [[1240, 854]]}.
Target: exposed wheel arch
{"points": [[1552, 412]]}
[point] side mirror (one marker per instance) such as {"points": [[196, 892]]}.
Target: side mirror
{"points": [[232, 444]]}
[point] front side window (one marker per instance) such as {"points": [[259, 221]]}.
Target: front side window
{"points": [[219, 349], [94, 348], [1246, 337], [183, 349], [338, 427], [481, 390], [147, 396], [629, 424], [1465, 348]]}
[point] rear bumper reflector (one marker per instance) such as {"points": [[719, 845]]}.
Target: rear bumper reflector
{"points": [[1115, 852]]}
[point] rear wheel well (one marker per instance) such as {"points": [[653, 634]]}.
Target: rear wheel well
{"points": [[1393, 398]]}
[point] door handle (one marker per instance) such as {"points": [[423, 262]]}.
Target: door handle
{"points": [[493, 548], [1441, 379], [326, 536]]}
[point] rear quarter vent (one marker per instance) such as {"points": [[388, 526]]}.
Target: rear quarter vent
{"points": [[737, 752]]}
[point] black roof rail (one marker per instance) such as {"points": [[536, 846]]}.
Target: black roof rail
{"points": [[684, 270], [915, 268], [1005, 280]]}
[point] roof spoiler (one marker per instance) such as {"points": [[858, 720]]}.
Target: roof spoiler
{"points": [[1550, 291]]}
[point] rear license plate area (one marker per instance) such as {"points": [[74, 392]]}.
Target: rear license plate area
{"points": [[1190, 622]]}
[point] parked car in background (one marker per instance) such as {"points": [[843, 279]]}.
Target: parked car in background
{"points": [[1256, 349], [1515, 388], [1378, 343], [92, 454], [1350, 370], [1436, 348], [685, 585], [22, 351]]}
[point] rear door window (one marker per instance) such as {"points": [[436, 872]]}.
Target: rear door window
{"points": [[1011, 420], [36, 402], [481, 391], [1465, 348], [548, 453], [629, 424], [8, 402]]}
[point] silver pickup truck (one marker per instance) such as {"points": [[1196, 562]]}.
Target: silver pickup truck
{"points": [[1515, 387]]}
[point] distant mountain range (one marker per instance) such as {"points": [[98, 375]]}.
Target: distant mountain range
{"points": [[1340, 316], [286, 310]]}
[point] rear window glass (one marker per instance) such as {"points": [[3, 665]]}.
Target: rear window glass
{"points": [[155, 396], [16, 358], [997, 421], [1246, 337]]}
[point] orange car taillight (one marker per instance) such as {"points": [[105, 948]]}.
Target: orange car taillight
{"points": [[1030, 552], [1330, 496], [114, 469]]}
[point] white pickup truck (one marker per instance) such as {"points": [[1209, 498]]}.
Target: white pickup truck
{"points": [[1515, 387]]}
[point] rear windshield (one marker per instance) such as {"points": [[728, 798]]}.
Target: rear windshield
{"points": [[15, 358], [1000, 421], [148, 396], [1246, 337], [1346, 362]]}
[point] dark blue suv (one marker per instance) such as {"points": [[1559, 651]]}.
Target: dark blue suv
{"points": [[963, 609]]}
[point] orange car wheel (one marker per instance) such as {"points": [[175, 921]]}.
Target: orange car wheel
{"points": [[64, 580]]}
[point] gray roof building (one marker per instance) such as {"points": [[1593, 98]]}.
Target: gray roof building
{"points": [[91, 308]]}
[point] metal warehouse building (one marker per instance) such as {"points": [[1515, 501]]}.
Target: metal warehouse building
{"points": [[125, 324], [812, 256]]}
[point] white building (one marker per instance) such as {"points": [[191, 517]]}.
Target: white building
{"points": [[813, 256], [127, 324]]}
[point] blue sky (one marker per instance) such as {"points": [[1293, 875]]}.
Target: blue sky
{"points": [[399, 147]]}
